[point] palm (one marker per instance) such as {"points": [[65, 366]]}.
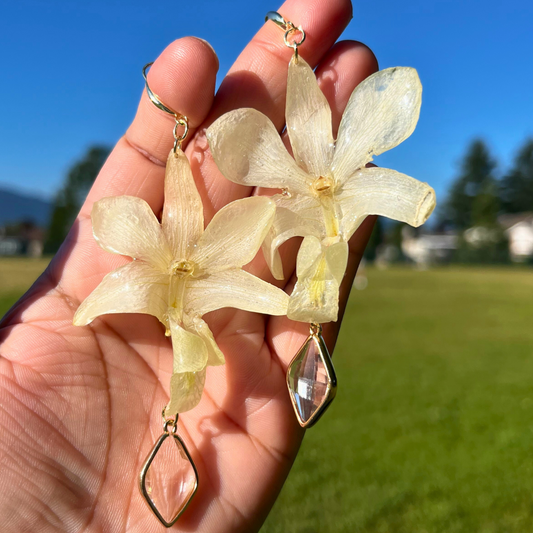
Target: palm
{"points": [[81, 406]]}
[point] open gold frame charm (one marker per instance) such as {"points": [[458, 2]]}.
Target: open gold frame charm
{"points": [[311, 379], [169, 432]]}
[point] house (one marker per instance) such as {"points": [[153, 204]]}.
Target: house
{"points": [[23, 239], [519, 230], [426, 248]]}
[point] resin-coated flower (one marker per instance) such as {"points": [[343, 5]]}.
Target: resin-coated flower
{"points": [[327, 189], [180, 272]]}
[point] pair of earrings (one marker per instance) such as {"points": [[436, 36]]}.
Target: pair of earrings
{"points": [[182, 271]]}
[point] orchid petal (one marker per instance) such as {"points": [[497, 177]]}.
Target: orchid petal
{"points": [[308, 118], [297, 216], [315, 297], [337, 259], [248, 150], [381, 113], [286, 225], [132, 288], [234, 235], [380, 191], [126, 225], [235, 288], [185, 391], [308, 254], [190, 350], [215, 357], [182, 220]]}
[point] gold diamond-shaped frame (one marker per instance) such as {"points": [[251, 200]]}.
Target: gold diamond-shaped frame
{"points": [[331, 389], [146, 466]]}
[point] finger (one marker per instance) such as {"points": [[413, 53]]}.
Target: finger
{"points": [[184, 77], [258, 78], [346, 65]]}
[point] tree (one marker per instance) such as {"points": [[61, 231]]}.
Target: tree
{"points": [[473, 198], [71, 196], [516, 189], [473, 206]]}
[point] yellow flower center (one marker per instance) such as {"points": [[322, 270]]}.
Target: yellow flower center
{"points": [[181, 268], [322, 185]]}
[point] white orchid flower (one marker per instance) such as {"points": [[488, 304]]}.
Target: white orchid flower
{"points": [[327, 189], [181, 271]]}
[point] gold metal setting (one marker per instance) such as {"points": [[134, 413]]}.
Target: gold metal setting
{"points": [[290, 31], [181, 120], [170, 426], [315, 336]]}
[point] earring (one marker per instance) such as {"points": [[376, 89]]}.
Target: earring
{"points": [[179, 272], [326, 192]]}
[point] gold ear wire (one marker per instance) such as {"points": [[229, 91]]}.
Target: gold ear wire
{"points": [[289, 28], [181, 120]]}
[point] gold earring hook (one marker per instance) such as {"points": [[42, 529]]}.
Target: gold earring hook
{"points": [[181, 120], [289, 28]]}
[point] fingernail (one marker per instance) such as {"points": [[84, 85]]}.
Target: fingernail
{"points": [[209, 45]]}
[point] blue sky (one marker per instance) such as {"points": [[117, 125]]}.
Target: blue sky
{"points": [[71, 74]]}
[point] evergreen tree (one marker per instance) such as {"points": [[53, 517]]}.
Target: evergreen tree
{"points": [[473, 207], [473, 198], [70, 198], [517, 186]]}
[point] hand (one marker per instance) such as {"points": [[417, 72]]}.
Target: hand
{"points": [[81, 406]]}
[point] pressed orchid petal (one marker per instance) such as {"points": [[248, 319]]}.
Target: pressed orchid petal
{"points": [[235, 288], [133, 288], [306, 206], [308, 118], [183, 219], [234, 235], [337, 259], [380, 191], [215, 357], [190, 350], [126, 225], [296, 216], [248, 150], [285, 226], [381, 113], [185, 392], [315, 297], [308, 255]]}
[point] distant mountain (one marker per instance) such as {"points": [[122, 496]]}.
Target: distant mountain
{"points": [[18, 207]]}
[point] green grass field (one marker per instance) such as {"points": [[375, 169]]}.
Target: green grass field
{"points": [[432, 427], [16, 276]]}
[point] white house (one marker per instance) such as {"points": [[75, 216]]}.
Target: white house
{"points": [[519, 231], [427, 248]]}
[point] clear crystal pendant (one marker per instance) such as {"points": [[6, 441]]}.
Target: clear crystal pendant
{"points": [[168, 478], [311, 379]]}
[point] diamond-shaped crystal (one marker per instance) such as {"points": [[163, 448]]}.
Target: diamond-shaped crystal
{"points": [[311, 381], [170, 480]]}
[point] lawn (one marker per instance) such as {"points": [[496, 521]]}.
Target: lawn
{"points": [[16, 276], [432, 427]]}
